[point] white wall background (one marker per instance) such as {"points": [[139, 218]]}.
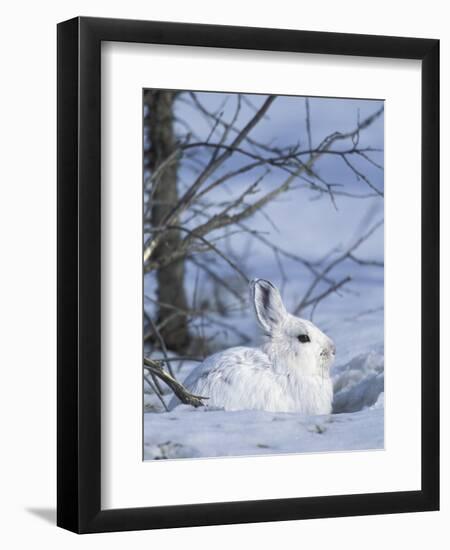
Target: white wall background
{"points": [[28, 273]]}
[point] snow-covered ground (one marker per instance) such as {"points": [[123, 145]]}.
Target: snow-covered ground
{"points": [[196, 433], [357, 422]]}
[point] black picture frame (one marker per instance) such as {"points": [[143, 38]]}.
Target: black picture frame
{"points": [[79, 278]]}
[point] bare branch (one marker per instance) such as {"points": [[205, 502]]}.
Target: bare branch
{"points": [[220, 280], [308, 122], [327, 292], [160, 341], [213, 166], [153, 385], [339, 136], [306, 298], [156, 368], [213, 320], [214, 248], [228, 127], [359, 261], [361, 176]]}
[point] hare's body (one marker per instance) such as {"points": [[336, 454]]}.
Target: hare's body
{"points": [[244, 378], [289, 373]]}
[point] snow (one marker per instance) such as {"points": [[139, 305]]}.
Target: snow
{"points": [[197, 433], [357, 422]]}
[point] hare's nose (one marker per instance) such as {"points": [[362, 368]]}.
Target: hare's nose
{"points": [[332, 348]]}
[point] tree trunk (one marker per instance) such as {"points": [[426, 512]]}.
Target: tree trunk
{"points": [[170, 279]]}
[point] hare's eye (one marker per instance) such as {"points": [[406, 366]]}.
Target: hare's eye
{"points": [[303, 338]]}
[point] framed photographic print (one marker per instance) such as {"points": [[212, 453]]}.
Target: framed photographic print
{"points": [[248, 258]]}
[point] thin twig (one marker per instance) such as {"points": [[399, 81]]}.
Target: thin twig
{"points": [[161, 342], [178, 389], [155, 390]]}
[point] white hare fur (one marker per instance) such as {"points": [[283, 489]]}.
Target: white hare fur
{"points": [[290, 372]]}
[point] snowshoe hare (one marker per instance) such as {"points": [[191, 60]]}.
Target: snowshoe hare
{"points": [[288, 373]]}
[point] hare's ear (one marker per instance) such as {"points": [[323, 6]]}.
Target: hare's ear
{"points": [[269, 307]]}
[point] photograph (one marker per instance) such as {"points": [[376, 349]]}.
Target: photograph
{"points": [[263, 274]]}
